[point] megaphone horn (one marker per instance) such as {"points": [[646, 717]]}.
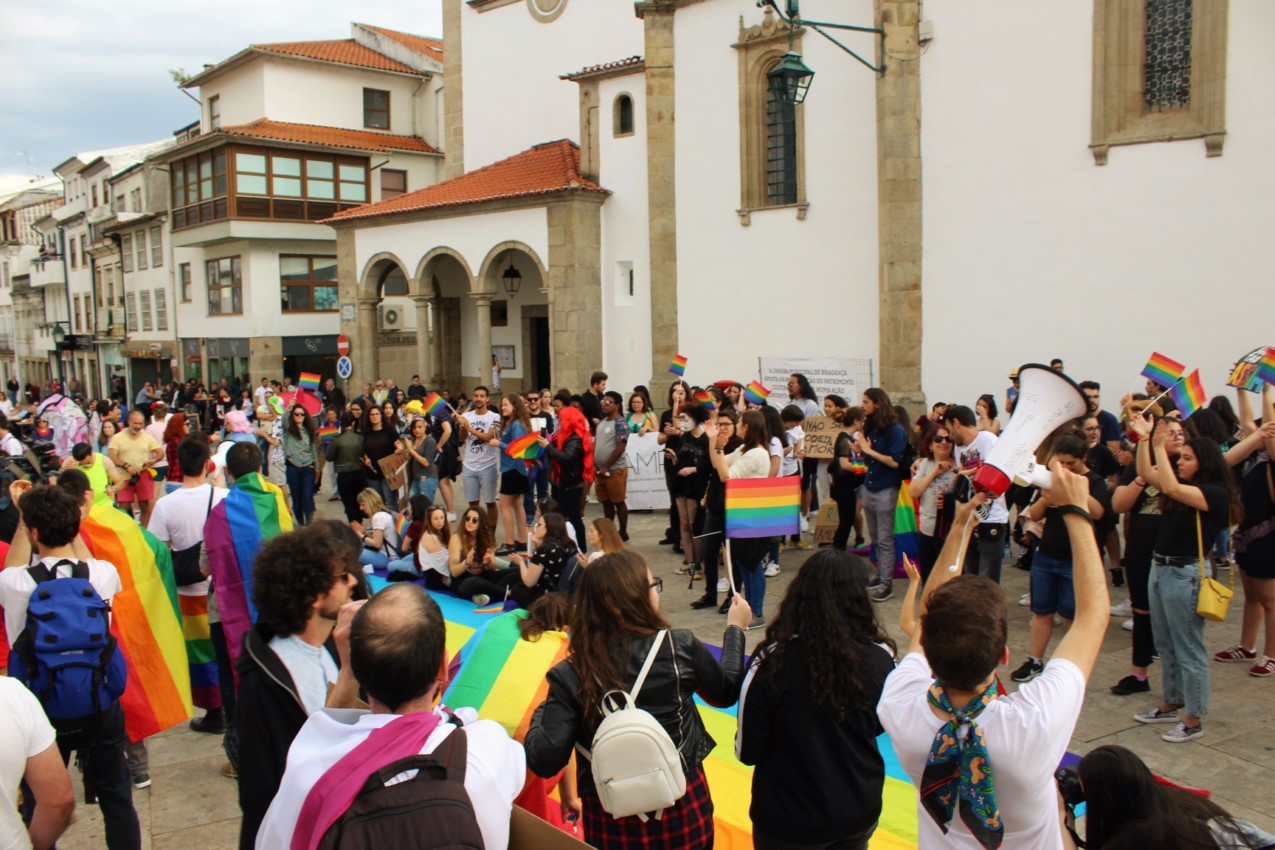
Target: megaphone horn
{"points": [[1046, 399]]}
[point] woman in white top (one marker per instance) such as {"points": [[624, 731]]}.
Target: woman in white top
{"points": [[750, 460], [380, 538], [432, 553]]}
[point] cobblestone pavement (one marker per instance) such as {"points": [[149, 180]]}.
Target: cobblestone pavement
{"points": [[190, 806]]}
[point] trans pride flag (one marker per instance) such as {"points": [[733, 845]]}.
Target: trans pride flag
{"points": [[237, 528], [146, 620]]}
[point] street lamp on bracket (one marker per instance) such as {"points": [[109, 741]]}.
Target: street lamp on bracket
{"points": [[791, 78]]}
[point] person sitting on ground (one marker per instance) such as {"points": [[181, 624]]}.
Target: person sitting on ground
{"points": [[985, 760], [397, 652], [551, 568]]}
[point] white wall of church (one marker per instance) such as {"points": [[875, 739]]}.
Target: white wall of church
{"points": [[1033, 252], [779, 287], [626, 318], [513, 97]]}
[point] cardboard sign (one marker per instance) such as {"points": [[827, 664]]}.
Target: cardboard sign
{"points": [[528, 832], [394, 467], [826, 523], [1244, 373], [821, 436]]}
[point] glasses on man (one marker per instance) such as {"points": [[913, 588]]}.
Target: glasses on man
{"points": [[658, 585]]}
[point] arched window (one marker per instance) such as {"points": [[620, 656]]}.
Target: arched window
{"points": [[781, 150], [623, 115], [392, 282], [771, 162]]}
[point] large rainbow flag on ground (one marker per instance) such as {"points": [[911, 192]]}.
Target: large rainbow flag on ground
{"points": [[237, 528], [146, 620]]}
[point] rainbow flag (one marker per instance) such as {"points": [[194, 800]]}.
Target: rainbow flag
{"points": [[755, 393], [237, 528], [327, 432], [1188, 394], [1266, 368], [1162, 370], [204, 688], [858, 466], [705, 399], [434, 404], [678, 366], [906, 531], [308, 381], [401, 524], [525, 448], [146, 621], [762, 507]]}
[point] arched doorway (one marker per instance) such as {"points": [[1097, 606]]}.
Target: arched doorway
{"points": [[514, 276], [445, 278]]}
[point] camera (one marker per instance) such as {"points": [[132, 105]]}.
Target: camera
{"points": [[1068, 779]]}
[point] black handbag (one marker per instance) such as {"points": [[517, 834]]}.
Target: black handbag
{"points": [[186, 561]]}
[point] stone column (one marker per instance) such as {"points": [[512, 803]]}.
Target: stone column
{"points": [[365, 345], [453, 93], [657, 17], [482, 316], [436, 343], [574, 281], [899, 202], [424, 340]]}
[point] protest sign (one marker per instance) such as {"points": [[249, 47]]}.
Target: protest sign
{"points": [[821, 436], [394, 468], [646, 488], [1245, 372], [843, 376], [826, 523]]}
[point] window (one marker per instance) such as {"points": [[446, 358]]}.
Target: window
{"points": [[130, 309], [84, 249], [781, 150], [74, 259], [126, 251], [108, 276], [308, 284], [214, 112], [199, 189], [135, 201], [183, 272], [119, 203], [94, 194], [147, 324], [393, 183], [78, 319], [771, 162], [376, 109], [161, 310], [141, 250], [157, 247], [225, 287], [1159, 73], [623, 118]]}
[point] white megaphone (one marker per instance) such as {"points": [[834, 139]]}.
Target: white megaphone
{"points": [[1035, 475], [1046, 399]]}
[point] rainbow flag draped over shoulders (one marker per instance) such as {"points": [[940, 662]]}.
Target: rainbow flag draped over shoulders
{"points": [[525, 448], [762, 507], [204, 690], [1188, 394], [1163, 370], [146, 620], [239, 525]]}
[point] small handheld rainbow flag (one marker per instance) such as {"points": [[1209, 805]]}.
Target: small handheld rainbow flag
{"points": [[858, 466], [308, 381], [705, 400], [1162, 370], [435, 404], [755, 393], [678, 366], [400, 526], [1188, 394], [327, 432], [525, 448], [762, 507], [1266, 368]]}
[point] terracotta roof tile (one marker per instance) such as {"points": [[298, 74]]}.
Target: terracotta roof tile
{"points": [[606, 68], [542, 170], [344, 51], [431, 47], [333, 137]]}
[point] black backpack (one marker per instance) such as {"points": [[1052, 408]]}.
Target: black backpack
{"points": [[433, 807]]}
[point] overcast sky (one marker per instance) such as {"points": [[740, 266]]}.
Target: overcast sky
{"points": [[78, 76]]}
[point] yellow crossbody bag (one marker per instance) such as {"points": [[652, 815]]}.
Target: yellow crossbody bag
{"points": [[1214, 597]]}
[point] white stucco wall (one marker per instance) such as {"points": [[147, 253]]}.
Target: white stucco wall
{"points": [[779, 287], [513, 97], [1033, 252], [332, 95], [242, 93]]}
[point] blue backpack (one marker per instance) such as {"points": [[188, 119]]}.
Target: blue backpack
{"points": [[67, 655]]}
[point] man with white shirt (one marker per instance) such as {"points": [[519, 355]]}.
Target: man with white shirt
{"points": [[971, 447], [397, 652], [29, 757], [159, 422], [9, 444], [984, 760]]}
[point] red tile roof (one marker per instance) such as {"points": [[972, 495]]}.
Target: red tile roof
{"points": [[542, 170], [431, 47], [333, 137], [344, 51], [606, 69]]}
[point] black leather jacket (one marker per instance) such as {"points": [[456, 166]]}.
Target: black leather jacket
{"points": [[679, 673]]}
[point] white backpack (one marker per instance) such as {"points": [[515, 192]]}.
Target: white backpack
{"points": [[636, 767]]}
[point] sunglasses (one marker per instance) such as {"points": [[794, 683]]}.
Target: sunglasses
{"points": [[470, 519], [658, 585], [941, 440]]}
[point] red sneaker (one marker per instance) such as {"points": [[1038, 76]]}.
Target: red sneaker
{"points": [[1235, 653]]}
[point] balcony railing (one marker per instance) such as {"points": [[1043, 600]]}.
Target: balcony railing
{"points": [[47, 272]]}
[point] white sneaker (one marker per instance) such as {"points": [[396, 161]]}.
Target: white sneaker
{"points": [[723, 586], [1127, 625], [772, 569], [1025, 600], [451, 517], [1122, 609], [805, 525]]}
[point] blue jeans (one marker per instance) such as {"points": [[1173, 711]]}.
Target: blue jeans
{"points": [[1179, 636], [426, 486], [752, 583], [1052, 589], [878, 515], [301, 485], [375, 560], [381, 486], [404, 565]]}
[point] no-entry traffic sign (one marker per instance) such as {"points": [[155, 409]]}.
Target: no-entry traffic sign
{"points": [[343, 347]]}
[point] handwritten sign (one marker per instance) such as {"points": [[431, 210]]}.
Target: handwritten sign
{"points": [[821, 436], [826, 523], [1244, 373]]}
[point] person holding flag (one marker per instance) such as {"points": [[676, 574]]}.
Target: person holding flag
{"points": [[515, 425]]}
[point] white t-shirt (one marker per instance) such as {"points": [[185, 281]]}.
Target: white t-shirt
{"points": [[384, 520], [156, 430], [178, 520], [494, 771], [27, 733], [10, 445], [311, 668], [790, 464], [971, 457], [754, 463], [16, 586], [480, 456], [1026, 735]]}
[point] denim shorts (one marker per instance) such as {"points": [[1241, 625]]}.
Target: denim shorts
{"points": [[1052, 589]]}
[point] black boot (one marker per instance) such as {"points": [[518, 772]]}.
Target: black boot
{"points": [[214, 722], [708, 600], [725, 606]]}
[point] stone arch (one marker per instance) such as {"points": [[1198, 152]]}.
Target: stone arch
{"points": [[487, 269], [424, 286], [374, 269]]}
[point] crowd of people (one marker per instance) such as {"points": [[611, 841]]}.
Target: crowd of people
{"points": [[326, 693]]}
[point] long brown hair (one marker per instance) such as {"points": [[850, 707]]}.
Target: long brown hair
{"points": [[520, 412], [481, 541], [549, 613], [608, 538], [612, 606], [756, 437], [307, 425]]}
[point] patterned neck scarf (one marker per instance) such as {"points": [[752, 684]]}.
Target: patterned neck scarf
{"points": [[959, 768]]}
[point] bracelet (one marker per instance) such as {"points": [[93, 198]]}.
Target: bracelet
{"points": [[1076, 510], [1142, 485]]}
